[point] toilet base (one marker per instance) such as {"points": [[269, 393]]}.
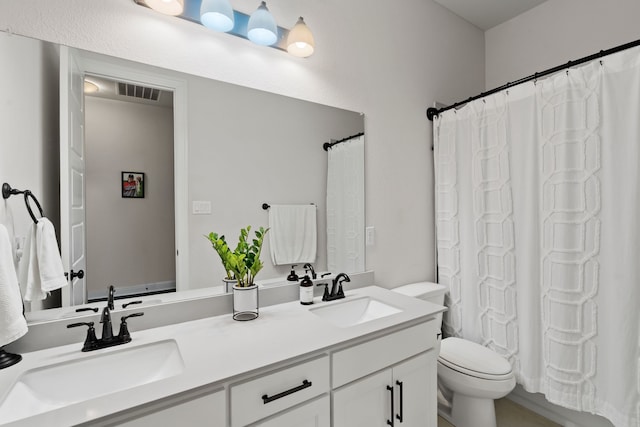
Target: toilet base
{"points": [[467, 411]]}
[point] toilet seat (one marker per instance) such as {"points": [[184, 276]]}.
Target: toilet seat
{"points": [[469, 358]]}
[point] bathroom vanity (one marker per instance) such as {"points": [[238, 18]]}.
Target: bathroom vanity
{"points": [[366, 360]]}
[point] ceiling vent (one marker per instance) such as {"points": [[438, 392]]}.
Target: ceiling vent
{"points": [[137, 91]]}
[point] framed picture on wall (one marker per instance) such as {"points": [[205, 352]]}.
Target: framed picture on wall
{"points": [[132, 184]]}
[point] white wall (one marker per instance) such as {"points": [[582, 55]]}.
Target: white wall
{"points": [[556, 32], [551, 34], [389, 61], [29, 130], [129, 241]]}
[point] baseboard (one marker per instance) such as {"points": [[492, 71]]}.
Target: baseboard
{"points": [[537, 403]]}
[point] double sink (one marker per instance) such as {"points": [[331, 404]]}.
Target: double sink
{"points": [[57, 385]]}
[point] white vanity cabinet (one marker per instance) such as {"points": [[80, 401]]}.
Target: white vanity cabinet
{"points": [[201, 408], [389, 380], [272, 393], [311, 414]]}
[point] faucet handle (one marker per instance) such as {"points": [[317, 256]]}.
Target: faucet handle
{"points": [[91, 340], [325, 295], [124, 334]]}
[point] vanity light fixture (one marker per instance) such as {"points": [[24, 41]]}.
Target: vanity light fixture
{"points": [[90, 87], [300, 41], [168, 7], [262, 28], [217, 15]]}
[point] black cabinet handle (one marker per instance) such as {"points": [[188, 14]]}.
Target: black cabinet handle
{"points": [[391, 421], [401, 415], [305, 384]]}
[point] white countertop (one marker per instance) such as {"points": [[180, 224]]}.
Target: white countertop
{"points": [[215, 350]]}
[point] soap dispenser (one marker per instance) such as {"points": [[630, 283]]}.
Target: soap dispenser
{"points": [[306, 291], [292, 277]]}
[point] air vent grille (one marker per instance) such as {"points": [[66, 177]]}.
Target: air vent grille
{"points": [[137, 91]]}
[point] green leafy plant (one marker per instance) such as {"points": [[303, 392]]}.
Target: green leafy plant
{"points": [[242, 264]]}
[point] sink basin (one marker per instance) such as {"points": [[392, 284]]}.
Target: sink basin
{"points": [[46, 388], [354, 312]]}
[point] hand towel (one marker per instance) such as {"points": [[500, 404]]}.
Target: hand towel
{"points": [[49, 260], [292, 234], [12, 323], [29, 271]]}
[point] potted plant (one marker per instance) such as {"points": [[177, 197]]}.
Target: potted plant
{"points": [[222, 249], [243, 264]]}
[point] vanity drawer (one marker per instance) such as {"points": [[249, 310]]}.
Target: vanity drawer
{"points": [[268, 394], [371, 356]]}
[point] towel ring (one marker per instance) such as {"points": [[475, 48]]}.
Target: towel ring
{"points": [[28, 194]]}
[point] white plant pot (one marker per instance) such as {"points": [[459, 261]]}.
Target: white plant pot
{"points": [[228, 284], [245, 302]]}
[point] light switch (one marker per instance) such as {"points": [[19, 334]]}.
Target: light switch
{"points": [[370, 236], [201, 207]]}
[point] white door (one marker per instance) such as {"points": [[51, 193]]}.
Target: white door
{"points": [[72, 193], [313, 414], [415, 385], [364, 403]]}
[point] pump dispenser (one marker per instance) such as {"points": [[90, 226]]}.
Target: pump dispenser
{"points": [[306, 291], [292, 277]]}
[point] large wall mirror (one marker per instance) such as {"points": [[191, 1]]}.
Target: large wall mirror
{"points": [[204, 156]]}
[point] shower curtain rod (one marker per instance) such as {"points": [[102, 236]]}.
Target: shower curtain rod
{"points": [[328, 145], [432, 111]]}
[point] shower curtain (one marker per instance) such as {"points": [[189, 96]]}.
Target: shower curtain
{"points": [[345, 206], [538, 234]]}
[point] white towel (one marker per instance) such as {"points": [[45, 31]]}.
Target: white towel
{"points": [[12, 323], [49, 260], [41, 268], [29, 271], [293, 233]]}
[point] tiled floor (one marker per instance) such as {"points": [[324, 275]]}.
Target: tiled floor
{"points": [[510, 414]]}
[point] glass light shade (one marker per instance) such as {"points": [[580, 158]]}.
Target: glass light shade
{"points": [[168, 7], [217, 15], [262, 28], [300, 41], [90, 87]]}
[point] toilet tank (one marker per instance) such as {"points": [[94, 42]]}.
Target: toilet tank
{"points": [[428, 291]]}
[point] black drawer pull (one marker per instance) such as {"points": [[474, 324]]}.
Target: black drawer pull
{"points": [[400, 416], [305, 384], [391, 421]]}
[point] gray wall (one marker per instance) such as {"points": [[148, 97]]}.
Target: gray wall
{"points": [[129, 241], [554, 33]]}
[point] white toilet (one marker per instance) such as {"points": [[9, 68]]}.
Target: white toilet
{"points": [[470, 376]]}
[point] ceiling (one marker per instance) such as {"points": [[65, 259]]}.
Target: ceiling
{"points": [[486, 14]]}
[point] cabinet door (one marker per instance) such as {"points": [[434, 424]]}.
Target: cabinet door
{"points": [[364, 403], [415, 383], [189, 410], [316, 413]]}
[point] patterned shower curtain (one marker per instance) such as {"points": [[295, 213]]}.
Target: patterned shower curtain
{"points": [[538, 232]]}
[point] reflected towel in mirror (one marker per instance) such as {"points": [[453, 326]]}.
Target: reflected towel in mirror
{"points": [[293, 234]]}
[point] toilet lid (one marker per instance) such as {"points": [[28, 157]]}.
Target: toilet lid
{"points": [[473, 359]]}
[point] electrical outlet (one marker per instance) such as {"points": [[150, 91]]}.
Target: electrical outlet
{"points": [[201, 207], [370, 236]]}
